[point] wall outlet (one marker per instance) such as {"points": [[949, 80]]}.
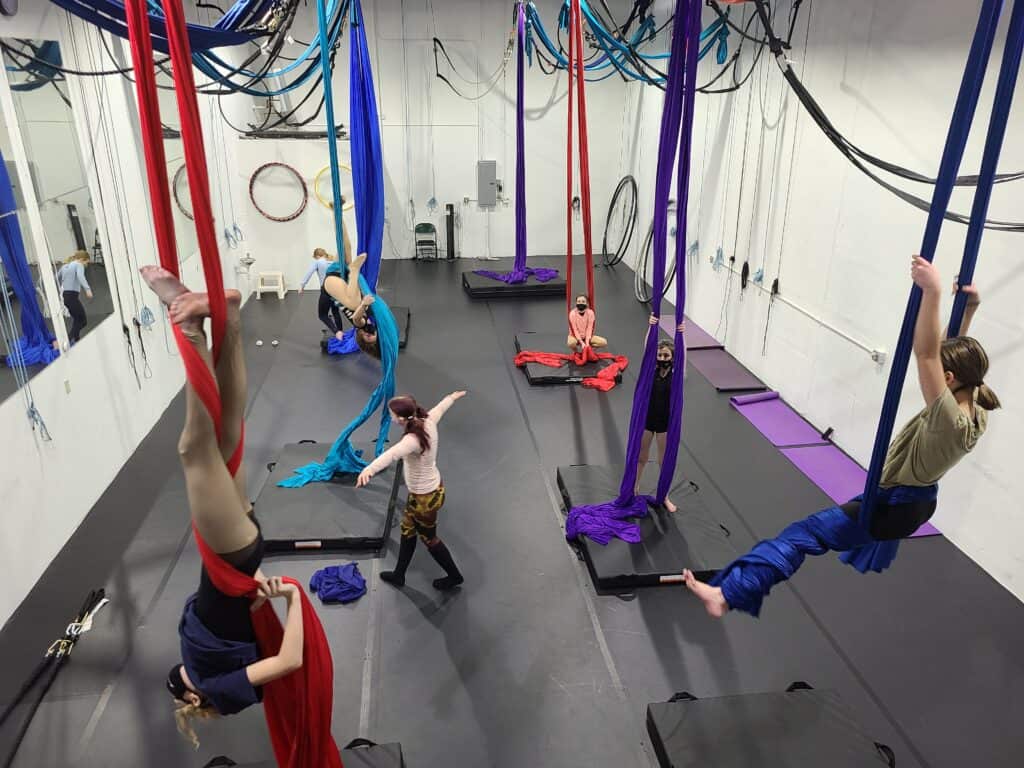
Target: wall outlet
{"points": [[465, 200], [67, 386]]}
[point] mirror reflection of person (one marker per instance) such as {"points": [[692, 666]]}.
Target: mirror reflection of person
{"points": [[71, 279]]}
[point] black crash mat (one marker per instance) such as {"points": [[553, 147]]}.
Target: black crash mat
{"points": [[324, 516], [375, 756], [688, 538], [796, 729], [402, 316], [480, 287], [544, 376]]}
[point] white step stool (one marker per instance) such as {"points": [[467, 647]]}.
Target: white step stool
{"points": [[270, 282]]}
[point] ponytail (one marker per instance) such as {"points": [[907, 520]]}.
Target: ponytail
{"points": [[987, 398], [407, 408]]}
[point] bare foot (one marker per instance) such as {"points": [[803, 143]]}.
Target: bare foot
{"points": [[192, 307], [714, 601], [165, 285], [670, 506], [340, 335]]}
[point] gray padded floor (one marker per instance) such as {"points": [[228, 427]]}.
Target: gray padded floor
{"points": [[524, 664]]}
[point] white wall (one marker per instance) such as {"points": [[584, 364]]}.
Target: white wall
{"points": [[432, 138], [887, 75]]}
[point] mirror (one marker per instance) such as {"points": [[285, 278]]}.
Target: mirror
{"points": [[47, 128]]}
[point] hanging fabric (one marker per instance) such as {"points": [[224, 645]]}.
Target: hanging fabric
{"points": [[520, 272], [343, 458], [298, 706], [676, 135], [367, 160], [35, 346], [956, 142]]}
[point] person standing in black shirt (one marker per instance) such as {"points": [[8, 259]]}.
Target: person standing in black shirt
{"points": [[658, 410]]}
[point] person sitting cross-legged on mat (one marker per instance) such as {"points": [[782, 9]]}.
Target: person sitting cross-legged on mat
{"points": [[658, 410], [418, 449], [344, 289], [326, 308], [951, 374], [221, 671], [582, 321]]}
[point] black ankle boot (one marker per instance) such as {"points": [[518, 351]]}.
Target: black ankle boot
{"points": [[405, 550], [444, 558]]}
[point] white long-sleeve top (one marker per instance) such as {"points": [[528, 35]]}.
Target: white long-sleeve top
{"points": [[420, 467]]}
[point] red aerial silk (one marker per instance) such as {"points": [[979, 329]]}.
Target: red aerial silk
{"points": [[603, 380], [297, 707]]}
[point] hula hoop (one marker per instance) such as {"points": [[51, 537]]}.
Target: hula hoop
{"points": [[174, 193], [329, 204], [296, 174]]}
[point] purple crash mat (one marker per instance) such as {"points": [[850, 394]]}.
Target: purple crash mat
{"points": [[722, 370], [839, 476], [780, 424], [696, 337]]}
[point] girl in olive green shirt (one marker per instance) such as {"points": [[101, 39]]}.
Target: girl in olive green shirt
{"points": [[951, 373]]}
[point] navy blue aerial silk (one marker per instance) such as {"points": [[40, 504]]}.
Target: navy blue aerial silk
{"points": [[229, 30], [747, 581], [956, 141], [367, 161], [343, 458], [35, 345]]}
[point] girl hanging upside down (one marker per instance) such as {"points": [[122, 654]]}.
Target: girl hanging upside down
{"points": [[581, 327], [418, 450], [658, 410], [342, 284], [221, 671], [951, 374]]}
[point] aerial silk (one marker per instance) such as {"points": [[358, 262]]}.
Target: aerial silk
{"points": [[604, 380], [234, 28], [297, 706], [343, 458], [35, 345], [520, 272], [676, 136], [746, 581], [47, 51], [367, 160]]}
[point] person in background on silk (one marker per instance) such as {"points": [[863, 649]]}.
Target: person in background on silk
{"points": [[951, 374], [222, 671], [71, 279], [418, 450], [582, 322], [658, 410], [326, 309]]}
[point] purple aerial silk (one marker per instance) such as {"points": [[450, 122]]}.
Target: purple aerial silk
{"points": [[520, 272], [676, 136]]}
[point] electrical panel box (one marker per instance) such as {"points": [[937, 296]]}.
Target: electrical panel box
{"points": [[487, 183]]}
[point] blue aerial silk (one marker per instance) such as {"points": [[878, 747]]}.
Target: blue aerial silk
{"points": [[346, 346], [110, 15], [343, 458], [48, 51], [367, 161], [35, 345], [747, 580], [956, 141]]}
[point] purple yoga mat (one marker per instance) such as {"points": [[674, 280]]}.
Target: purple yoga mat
{"points": [[722, 370], [839, 476], [696, 337], [780, 424]]}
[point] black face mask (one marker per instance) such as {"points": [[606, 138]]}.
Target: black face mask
{"points": [[581, 307], [664, 364]]}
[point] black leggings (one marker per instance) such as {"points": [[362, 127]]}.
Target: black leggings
{"points": [[328, 312], [78, 318]]}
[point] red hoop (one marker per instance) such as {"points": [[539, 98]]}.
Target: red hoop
{"points": [[302, 184]]}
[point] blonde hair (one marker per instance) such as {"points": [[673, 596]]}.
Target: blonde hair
{"points": [[80, 256], [185, 713]]}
